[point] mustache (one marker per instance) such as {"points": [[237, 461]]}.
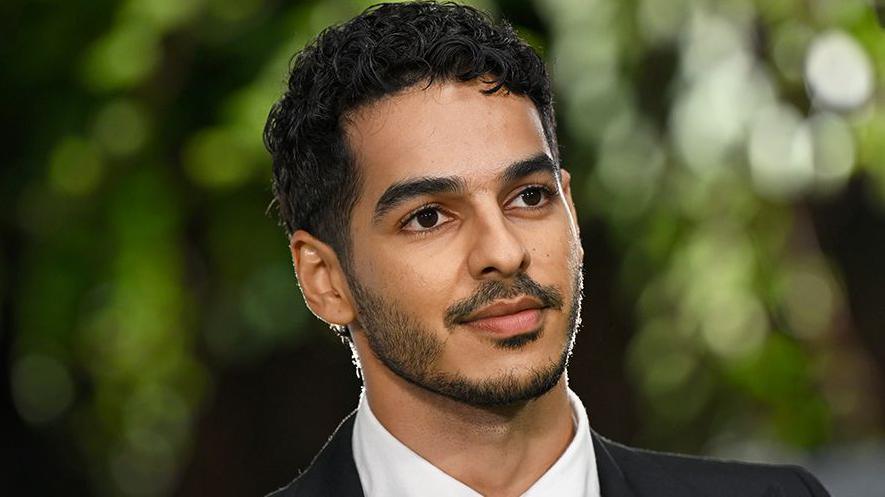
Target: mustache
{"points": [[492, 290]]}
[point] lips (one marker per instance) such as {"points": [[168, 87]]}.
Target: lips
{"points": [[508, 317]]}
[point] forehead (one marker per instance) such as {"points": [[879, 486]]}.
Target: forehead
{"points": [[446, 129]]}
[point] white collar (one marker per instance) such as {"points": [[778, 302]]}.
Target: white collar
{"points": [[388, 468]]}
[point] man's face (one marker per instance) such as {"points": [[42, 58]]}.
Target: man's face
{"points": [[466, 265]]}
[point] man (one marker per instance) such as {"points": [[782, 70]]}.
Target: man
{"points": [[417, 174]]}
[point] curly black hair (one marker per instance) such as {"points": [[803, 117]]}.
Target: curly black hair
{"points": [[386, 49]]}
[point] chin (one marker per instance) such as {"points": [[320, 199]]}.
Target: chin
{"points": [[509, 380], [509, 387]]}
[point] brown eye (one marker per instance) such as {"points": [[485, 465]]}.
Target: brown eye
{"points": [[427, 218], [531, 196]]}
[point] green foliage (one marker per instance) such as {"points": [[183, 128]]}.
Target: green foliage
{"points": [[149, 262], [702, 178]]}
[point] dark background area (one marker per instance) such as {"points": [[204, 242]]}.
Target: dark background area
{"points": [[153, 340]]}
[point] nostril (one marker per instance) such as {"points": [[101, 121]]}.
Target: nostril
{"points": [[489, 269]]}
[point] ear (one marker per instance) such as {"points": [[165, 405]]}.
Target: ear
{"points": [[566, 180], [321, 279]]}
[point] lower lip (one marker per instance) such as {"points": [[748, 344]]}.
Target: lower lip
{"points": [[510, 324]]}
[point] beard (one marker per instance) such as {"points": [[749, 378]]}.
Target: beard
{"points": [[411, 350]]}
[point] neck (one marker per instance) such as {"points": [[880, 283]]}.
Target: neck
{"points": [[497, 451]]}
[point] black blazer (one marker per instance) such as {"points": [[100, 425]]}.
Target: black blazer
{"points": [[623, 472]]}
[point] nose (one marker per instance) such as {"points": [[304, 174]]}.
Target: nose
{"points": [[498, 251]]}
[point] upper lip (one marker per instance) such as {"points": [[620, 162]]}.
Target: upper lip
{"points": [[504, 308]]}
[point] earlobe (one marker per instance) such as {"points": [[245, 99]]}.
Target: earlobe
{"points": [[320, 278]]}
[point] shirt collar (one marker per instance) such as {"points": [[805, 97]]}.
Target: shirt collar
{"points": [[388, 468]]}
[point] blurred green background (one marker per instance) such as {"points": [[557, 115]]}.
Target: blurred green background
{"points": [[729, 165]]}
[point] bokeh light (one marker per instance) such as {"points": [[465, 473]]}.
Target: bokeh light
{"points": [[728, 165], [838, 72], [42, 388]]}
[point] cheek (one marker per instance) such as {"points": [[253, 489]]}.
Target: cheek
{"points": [[555, 258], [557, 246], [412, 276]]}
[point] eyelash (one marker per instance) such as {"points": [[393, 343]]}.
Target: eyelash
{"points": [[548, 192], [412, 215]]}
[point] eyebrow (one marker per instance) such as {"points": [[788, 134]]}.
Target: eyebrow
{"points": [[526, 167], [402, 191]]}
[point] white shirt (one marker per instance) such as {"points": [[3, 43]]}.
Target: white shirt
{"points": [[387, 468]]}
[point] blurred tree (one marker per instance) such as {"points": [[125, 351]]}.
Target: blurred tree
{"points": [[729, 165]]}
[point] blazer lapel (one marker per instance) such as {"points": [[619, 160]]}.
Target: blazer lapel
{"points": [[612, 482], [623, 471], [627, 472], [333, 472]]}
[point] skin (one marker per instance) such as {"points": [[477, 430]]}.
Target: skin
{"points": [[486, 232]]}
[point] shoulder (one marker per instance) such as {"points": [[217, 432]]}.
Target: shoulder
{"points": [[332, 472], [708, 476]]}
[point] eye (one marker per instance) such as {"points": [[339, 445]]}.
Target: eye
{"points": [[425, 219], [534, 196]]}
